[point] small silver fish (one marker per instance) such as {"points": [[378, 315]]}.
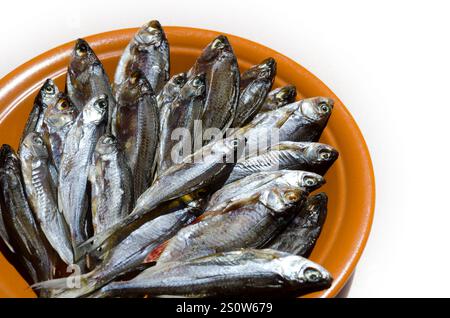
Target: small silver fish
{"points": [[300, 121], [254, 87], [279, 97], [58, 119], [287, 155], [137, 128], [302, 233], [87, 79], [24, 232], [75, 162], [41, 193], [111, 184], [181, 114], [148, 52], [219, 64], [46, 97], [244, 272]]}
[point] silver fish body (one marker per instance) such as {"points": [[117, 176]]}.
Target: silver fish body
{"points": [[137, 128], [147, 52], [180, 117], [279, 97], [287, 155], [42, 195], [255, 84], [46, 97], [25, 236], [111, 184], [300, 121], [219, 64], [302, 233], [206, 167], [248, 223], [58, 119], [235, 273], [87, 79], [75, 162]]}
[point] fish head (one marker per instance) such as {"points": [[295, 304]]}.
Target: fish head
{"points": [[219, 47], [83, 59], [315, 208], [175, 83], [321, 153], [178, 79], [298, 270], [280, 199], [285, 95], [300, 179], [316, 109], [107, 145], [61, 113], [150, 34], [33, 147], [48, 93], [96, 109], [264, 71], [195, 86], [135, 87]]}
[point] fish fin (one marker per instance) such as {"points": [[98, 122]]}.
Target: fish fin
{"points": [[156, 253], [69, 287]]}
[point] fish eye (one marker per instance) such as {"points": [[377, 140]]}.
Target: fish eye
{"points": [[291, 196], [81, 49], [218, 44], [325, 155], [37, 140], [63, 105], [264, 73], [49, 89], [108, 140], [310, 181], [179, 80], [155, 25], [312, 274], [102, 103], [324, 108], [197, 82]]}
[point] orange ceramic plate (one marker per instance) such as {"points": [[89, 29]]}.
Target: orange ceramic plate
{"points": [[350, 183]]}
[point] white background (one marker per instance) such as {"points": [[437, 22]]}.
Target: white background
{"points": [[388, 61]]}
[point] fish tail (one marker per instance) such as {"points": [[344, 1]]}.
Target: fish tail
{"points": [[59, 283], [69, 287]]}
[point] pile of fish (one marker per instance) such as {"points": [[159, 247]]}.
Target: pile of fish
{"points": [[101, 200]]}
